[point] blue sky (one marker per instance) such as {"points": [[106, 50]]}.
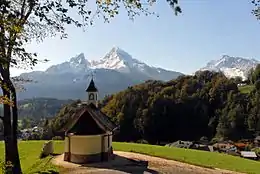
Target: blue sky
{"points": [[206, 30]]}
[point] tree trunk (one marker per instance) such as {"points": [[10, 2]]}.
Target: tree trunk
{"points": [[10, 130], [17, 166], [7, 133]]}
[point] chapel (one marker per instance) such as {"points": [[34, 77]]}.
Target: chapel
{"points": [[88, 135]]}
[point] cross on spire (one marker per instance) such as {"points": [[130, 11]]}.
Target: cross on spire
{"points": [[91, 87], [92, 74]]}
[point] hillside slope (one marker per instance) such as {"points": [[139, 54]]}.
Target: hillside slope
{"points": [[188, 108]]}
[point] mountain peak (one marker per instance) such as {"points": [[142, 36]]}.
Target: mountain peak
{"points": [[118, 53], [115, 49], [117, 59], [115, 72], [78, 59], [232, 66]]}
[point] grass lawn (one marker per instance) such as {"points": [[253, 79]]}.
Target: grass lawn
{"points": [[30, 150], [196, 157], [246, 89], [29, 155]]}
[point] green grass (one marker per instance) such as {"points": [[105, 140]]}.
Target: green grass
{"points": [[246, 89], [30, 150], [29, 155], [196, 157]]}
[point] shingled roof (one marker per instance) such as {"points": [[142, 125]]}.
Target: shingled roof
{"points": [[99, 117]]}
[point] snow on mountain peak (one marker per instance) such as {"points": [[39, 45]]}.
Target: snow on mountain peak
{"points": [[75, 64], [232, 66], [120, 53], [116, 59], [79, 60], [119, 60]]}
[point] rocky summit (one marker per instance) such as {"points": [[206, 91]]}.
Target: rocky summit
{"points": [[232, 66], [116, 71]]}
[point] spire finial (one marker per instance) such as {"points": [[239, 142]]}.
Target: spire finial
{"points": [[92, 75], [91, 87]]}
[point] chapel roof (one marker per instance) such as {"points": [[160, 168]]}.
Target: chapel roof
{"points": [[99, 117]]}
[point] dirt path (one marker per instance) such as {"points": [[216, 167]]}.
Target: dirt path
{"points": [[127, 162]]}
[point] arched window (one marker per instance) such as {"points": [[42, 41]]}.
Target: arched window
{"points": [[91, 96]]}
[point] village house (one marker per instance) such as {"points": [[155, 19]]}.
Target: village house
{"points": [[26, 133], [249, 155], [226, 147], [203, 147], [88, 136], [181, 144], [241, 146]]}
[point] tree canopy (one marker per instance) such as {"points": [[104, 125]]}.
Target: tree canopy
{"points": [[256, 10]]}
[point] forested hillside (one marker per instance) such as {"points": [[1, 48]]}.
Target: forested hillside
{"points": [[188, 108], [207, 104], [37, 108], [204, 105]]}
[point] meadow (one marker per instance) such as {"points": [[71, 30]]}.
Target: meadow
{"points": [[246, 89], [30, 150]]}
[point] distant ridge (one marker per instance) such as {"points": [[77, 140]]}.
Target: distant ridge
{"points": [[232, 66], [114, 72]]}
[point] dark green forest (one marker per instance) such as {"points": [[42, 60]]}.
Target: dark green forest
{"points": [[38, 108], [190, 107], [32, 111]]}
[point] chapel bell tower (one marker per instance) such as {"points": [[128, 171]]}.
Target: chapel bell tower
{"points": [[92, 93]]}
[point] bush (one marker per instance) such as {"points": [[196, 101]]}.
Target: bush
{"points": [[204, 138], [34, 136], [214, 140], [47, 134], [57, 138], [256, 150], [142, 141], [6, 167], [248, 147]]}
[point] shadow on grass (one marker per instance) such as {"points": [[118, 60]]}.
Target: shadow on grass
{"points": [[41, 167], [179, 160], [55, 154], [48, 172], [123, 164]]}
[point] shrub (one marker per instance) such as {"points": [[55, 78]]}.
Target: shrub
{"points": [[257, 85], [142, 141], [256, 150], [6, 167], [57, 138]]}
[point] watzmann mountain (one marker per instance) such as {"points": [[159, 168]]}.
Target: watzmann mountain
{"points": [[116, 71]]}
